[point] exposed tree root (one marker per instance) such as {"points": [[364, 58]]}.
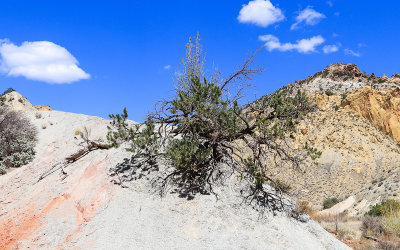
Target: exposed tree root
{"points": [[91, 146]]}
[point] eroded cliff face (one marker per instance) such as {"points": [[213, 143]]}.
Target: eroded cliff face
{"points": [[380, 107], [357, 129]]}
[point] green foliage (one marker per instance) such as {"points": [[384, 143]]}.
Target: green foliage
{"points": [[203, 130], [143, 140], [312, 152], [330, 202], [187, 153], [385, 208], [336, 107], [343, 96], [329, 92], [119, 131], [9, 90], [381, 80]]}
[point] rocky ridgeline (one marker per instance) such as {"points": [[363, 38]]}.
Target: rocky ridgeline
{"points": [[357, 129], [341, 78], [14, 100]]}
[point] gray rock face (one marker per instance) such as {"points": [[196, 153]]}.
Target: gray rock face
{"points": [[330, 161]]}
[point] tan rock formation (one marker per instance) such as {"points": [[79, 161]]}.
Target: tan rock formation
{"points": [[380, 107], [357, 129], [16, 101], [43, 108]]}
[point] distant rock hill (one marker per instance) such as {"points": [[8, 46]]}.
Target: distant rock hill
{"points": [[14, 100], [357, 129], [342, 78]]}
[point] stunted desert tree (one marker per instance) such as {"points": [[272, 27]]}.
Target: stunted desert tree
{"points": [[205, 135], [17, 139]]}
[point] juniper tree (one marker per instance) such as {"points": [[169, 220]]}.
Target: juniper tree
{"points": [[204, 133]]}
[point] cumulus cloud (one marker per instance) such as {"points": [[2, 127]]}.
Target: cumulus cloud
{"points": [[167, 67], [351, 53], [327, 49], [308, 16], [302, 46], [260, 12], [40, 61]]}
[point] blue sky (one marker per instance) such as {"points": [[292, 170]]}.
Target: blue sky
{"points": [[124, 47]]}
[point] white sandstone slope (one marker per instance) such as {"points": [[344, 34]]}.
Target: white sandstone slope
{"points": [[85, 210]]}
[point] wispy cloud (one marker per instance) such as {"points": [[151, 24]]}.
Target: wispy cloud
{"points": [[351, 53], [261, 13], [302, 46], [327, 49], [167, 67], [40, 61], [361, 45], [330, 3], [308, 16]]}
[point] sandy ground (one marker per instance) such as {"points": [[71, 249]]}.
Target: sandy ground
{"points": [[86, 211]]}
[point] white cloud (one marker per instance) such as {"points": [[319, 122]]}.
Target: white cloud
{"points": [[327, 49], [167, 67], [261, 13], [308, 16], [361, 45], [351, 53], [329, 3], [302, 46], [40, 61]]}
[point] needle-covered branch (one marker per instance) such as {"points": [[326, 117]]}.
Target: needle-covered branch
{"points": [[204, 134]]}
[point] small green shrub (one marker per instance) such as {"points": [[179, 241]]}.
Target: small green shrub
{"points": [[312, 152], [330, 202], [9, 90], [381, 80], [329, 92], [385, 208]]}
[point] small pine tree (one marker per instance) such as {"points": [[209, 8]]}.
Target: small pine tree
{"points": [[203, 132]]}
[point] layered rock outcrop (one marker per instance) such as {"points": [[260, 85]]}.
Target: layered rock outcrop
{"points": [[357, 130], [380, 107]]}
